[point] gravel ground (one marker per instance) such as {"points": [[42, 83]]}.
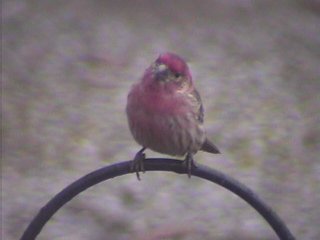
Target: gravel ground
{"points": [[66, 71]]}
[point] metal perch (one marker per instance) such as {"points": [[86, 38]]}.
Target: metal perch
{"points": [[155, 164]]}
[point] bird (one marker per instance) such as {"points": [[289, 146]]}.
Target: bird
{"points": [[165, 113]]}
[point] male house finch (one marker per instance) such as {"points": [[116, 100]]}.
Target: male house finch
{"points": [[165, 112]]}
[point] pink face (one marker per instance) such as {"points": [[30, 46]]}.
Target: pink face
{"points": [[175, 64], [169, 72]]}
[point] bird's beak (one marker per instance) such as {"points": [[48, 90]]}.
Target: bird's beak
{"points": [[161, 72]]}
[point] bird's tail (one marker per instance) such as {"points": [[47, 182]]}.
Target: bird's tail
{"points": [[209, 147]]}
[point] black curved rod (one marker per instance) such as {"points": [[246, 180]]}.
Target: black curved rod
{"points": [[155, 164]]}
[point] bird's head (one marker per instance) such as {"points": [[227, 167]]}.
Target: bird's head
{"points": [[169, 71]]}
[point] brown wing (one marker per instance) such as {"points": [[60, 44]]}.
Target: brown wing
{"points": [[198, 105], [207, 146]]}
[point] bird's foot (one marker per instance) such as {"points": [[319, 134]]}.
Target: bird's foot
{"points": [[138, 163], [189, 163]]}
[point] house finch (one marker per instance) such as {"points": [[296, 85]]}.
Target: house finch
{"points": [[165, 112]]}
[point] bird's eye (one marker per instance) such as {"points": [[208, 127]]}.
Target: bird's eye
{"points": [[177, 75], [157, 62]]}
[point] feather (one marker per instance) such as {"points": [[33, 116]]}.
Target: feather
{"points": [[208, 146]]}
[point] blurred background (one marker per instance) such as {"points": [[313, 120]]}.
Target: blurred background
{"points": [[67, 67]]}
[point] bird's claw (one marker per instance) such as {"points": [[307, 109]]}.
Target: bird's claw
{"points": [[138, 163], [189, 163]]}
